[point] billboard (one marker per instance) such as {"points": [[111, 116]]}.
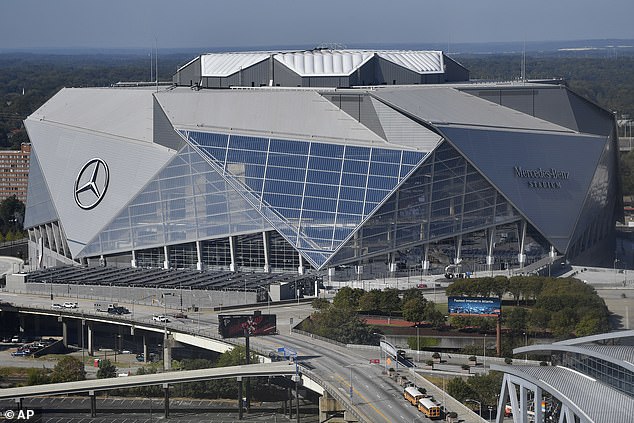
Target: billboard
{"points": [[474, 306], [234, 325]]}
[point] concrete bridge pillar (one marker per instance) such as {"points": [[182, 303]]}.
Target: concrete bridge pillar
{"points": [[327, 406], [145, 349], [166, 390], [91, 348], [167, 352], [65, 333]]}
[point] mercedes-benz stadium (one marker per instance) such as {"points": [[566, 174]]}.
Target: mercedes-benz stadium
{"points": [[322, 159]]}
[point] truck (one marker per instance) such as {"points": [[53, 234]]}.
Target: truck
{"points": [[105, 307]]}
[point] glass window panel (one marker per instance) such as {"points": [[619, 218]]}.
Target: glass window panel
{"points": [[369, 207], [209, 140], [354, 166], [353, 180], [284, 187], [290, 213], [218, 154], [326, 150], [323, 191], [287, 160], [384, 169], [322, 163], [285, 146], [341, 233], [320, 177], [405, 170], [240, 142], [254, 184], [382, 182], [282, 200], [358, 153], [317, 217], [250, 157], [353, 207], [348, 220], [321, 204], [412, 157], [349, 193], [287, 174], [386, 156]]}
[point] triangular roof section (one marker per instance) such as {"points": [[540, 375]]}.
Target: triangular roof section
{"points": [[39, 205], [448, 105], [225, 64], [540, 172], [283, 114]]}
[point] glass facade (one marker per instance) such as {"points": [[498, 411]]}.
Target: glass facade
{"points": [[605, 371], [315, 193], [185, 202], [444, 197]]}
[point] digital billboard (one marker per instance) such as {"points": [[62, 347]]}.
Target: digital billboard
{"points": [[234, 325], [474, 306]]}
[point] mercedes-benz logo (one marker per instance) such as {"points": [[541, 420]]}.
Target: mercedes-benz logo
{"points": [[91, 183]]}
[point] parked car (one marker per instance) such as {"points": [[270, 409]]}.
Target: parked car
{"points": [[69, 304], [20, 353], [57, 306], [160, 318], [16, 339]]}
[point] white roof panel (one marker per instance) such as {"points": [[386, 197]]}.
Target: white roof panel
{"points": [[324, 62], [225, 64], [418, 61], [292, 114], [115, 111]]}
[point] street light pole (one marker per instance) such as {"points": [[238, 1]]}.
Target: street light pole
{"points": [[479, 405]]}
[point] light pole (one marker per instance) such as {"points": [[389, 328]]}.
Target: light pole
{"points": [[525, 345], [383, 351], [479, 405], [615, 262]]}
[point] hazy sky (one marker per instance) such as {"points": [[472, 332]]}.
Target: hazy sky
{"points": [[247, 23]]}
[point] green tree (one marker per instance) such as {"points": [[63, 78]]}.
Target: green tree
{"points": [[370, 300], [517, 320], [37, 376], [459, 389], [320, 303], [414, 310], [347, 297], [106, 369], [68, 369], [390, 300]]}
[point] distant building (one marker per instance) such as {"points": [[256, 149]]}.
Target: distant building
{"points": [[329, 160], [591, 380], [14, 172]]}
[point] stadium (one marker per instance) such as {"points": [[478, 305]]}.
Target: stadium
{"points": [[317, 160]]}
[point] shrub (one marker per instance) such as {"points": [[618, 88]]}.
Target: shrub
{"points": [[508, 360]]}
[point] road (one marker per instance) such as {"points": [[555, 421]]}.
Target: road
{"points": [[376, 397]]}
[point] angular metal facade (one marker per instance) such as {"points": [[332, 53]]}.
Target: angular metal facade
{"points": [[280, 179]]}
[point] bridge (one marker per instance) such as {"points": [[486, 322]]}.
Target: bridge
{"points": [[344, 378]]}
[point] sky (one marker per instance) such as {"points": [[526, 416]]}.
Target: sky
{"points": [[212, 24]]}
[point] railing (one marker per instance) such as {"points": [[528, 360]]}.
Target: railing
{"points": [[341, 399]]}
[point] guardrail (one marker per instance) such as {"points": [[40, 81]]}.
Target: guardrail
{"points": [[332, 391]]}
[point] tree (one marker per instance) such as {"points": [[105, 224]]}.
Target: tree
{"points": [[320, 303], [370, 300], [347, 298], [68, 369], [414, 310], [459, 389], [390, 300], [106, 369], [517, 319]]}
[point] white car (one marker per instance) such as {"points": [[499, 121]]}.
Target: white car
{"points": [[57, 306], [160, 318], [69, 304]]}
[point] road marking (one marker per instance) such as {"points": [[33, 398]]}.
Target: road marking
{"points": [[363, 398]]}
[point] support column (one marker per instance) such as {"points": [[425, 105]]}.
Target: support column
{"points": [[290, 403], [232, 251], [537, 404], [145, 357], [133, 261], [300, 269], [457, 259], [248, 361], [166, 391], [425, 261], [167, 352], [93, 404], [91, 349], [297, 379], [239, 379], [166, 262], [521, 257], [490, 242], [18, 403], [390, 262], [22, 327], [199, 256], [265, 239], [65, 333]]}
